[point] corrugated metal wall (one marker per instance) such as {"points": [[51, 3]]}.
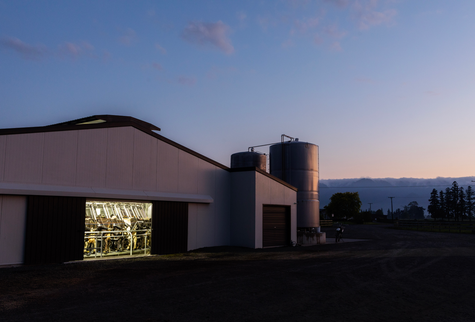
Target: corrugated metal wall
{"points": [[276, 225], [54, 229], [169, 227]]}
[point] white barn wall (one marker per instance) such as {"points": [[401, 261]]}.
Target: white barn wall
{"points": [[92, 150], [3, 147], [60, 158], [24, 158], [187, 172], [144, 162], [206, 222], [12, 229], [114, 158], [209, 223], [120, 158], [167, 167]]}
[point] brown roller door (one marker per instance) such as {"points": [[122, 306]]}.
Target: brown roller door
{"points": [[54, 229], [169, 227], [276, 226]]}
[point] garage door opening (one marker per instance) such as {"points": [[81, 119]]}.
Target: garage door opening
{"points": [[276, 226], [117, 228]]}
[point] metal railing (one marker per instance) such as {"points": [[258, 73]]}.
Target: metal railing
{"points": [[99, 242], [326, 223]]}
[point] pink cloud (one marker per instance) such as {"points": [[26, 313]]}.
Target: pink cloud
{"points": [[287, 44], [160, 49], [215, 72], [264, 22], [317, 40], [157, 66], [367, 15], [68, 49], [106, 56], [184, 80], [71, 48], [303, 26], [366, 12], [128, 37], [209, 34], [27, 51], [74, 50], [298, 3], [241, 16], [333, 31], [339, 3], [335, 46]]}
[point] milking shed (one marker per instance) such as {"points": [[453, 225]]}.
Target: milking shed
{"points": [[111, 185]]}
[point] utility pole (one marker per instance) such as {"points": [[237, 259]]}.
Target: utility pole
{"points": [[392, 212], [370, 203]]}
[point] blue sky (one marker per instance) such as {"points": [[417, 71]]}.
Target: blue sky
{"points": [[384, 87]]}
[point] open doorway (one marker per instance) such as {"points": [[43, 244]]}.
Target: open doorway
{"points": [[117, 228]]}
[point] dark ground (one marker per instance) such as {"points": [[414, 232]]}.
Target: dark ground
{"points": [[396, 276]]}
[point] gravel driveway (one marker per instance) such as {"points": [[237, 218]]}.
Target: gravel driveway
{"points": [[394, 275]]}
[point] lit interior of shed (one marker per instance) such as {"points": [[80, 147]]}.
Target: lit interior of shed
{"points": [[117, 228]]}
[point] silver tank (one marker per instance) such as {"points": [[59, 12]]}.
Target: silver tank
{"points": [[249, 159], [296, 163]]}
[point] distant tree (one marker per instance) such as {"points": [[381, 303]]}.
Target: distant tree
{"points": [[454, 190], [448, 203], [461, 204], [469, 202], [414, 211], [434, 205], [455, 203], [344, 205], [364, 216], [398, 214], [443, 205], [405, 213]]}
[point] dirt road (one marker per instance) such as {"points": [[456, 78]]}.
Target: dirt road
{"points": [[395, 276]]}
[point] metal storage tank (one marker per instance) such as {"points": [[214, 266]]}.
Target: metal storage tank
{"points": [[296, 163], [249, 159]]}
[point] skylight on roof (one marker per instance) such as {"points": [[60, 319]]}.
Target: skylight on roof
{"points": [[92, 122]]}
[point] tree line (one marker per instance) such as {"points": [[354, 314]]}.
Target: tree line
{"points": [[410, 211], [453, 203], [347, 206]]}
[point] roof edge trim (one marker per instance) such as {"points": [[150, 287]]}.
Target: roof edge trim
{"points": [[24, 189]]}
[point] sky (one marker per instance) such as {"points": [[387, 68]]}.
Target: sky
{"points": [[385, 88]]}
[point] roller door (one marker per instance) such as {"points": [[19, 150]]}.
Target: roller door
{"points": [[54, 229], [276, 226], [169, 227]]}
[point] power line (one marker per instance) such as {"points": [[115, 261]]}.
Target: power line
{"points": [[392, 212]]}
